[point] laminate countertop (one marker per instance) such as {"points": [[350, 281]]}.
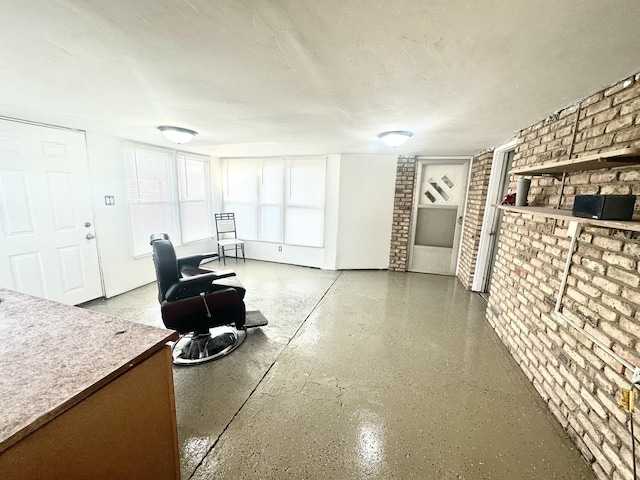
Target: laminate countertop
{"points": [[52, 356]]}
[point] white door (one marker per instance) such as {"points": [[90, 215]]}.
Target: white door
{"points": [[47, 242], [496, 221], [441, 188], [498, 183]]}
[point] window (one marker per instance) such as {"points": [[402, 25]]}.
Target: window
{"points": [[241, 195], [194, 190], [304, 212], [168, 193], [271, 201], [277, 200]]}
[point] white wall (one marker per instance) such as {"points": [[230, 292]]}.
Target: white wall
{"points": [[366, 194], [358, 216], [120, 270]]}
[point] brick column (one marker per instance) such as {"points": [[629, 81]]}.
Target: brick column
{"points": [[402, 207]]}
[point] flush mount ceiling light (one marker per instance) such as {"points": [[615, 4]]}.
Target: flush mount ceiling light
{"points": [[177, 134], [395, 138]]}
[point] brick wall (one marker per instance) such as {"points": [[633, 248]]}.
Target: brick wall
{"points": [[474, 214], [402, 206], [578, 380]]}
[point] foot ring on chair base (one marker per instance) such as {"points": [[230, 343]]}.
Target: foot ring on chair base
{"points": [[192, 348]]}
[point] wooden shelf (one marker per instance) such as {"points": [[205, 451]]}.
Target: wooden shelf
{"points": [[632, 225], [614, 158]]}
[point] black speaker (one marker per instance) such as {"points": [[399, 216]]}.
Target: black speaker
{"points": [[604, 207]]}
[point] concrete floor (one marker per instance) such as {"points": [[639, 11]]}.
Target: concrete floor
{"points": [[360, 374]]}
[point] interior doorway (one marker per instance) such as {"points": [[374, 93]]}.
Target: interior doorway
{"points": [[47, 237], [488, 246], [438, 207]]}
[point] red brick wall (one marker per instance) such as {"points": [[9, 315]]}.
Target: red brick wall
{"points": [[402, 206], [473, 216], [578, 380]]}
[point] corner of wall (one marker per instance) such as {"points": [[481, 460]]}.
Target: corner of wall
{"points": [[366, 209]]}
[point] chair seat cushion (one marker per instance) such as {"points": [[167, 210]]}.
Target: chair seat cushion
{"points": [[192, 314], [231, 282], [229, 241]]}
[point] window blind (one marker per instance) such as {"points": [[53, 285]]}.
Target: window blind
{"points": [[277, 200], [169, 192], [152, 202], [194, 187]]}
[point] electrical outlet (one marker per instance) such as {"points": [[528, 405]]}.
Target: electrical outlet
{"points": [[636, 376]]}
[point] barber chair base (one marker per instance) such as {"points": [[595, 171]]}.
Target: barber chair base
{"points": [[193, 348]]}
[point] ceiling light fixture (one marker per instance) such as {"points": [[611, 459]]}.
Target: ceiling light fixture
{"points": [[177, 134], [395, 138]]}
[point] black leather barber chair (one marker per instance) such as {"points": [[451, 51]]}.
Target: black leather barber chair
{"points": [[204, 306]]}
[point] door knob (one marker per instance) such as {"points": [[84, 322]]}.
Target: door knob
{"points": [[90, 236], [87, 224]]}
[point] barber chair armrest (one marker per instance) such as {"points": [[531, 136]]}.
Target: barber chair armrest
{"points": [[194, 260], [193, 286], [189, 271], [189, 266]]}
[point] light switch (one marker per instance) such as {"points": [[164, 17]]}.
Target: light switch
{"points": [[109, 200]]}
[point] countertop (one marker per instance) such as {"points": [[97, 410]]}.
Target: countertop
{"points": [[52, 356]]}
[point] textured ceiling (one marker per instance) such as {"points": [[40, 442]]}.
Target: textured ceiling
{"points": [[268, 77]]}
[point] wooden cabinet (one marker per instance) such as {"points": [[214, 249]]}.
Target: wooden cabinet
{"points": [[72, 415], [126, 429]]}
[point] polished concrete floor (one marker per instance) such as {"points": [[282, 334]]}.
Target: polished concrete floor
{"points": [[360, 375]]}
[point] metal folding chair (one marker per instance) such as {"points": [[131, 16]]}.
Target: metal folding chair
{"points": [[227, 236]]}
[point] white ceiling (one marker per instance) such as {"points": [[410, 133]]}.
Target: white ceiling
{"points": [[268, 77]]}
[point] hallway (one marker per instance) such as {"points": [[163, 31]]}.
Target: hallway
{"points": [[360, 374]]}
